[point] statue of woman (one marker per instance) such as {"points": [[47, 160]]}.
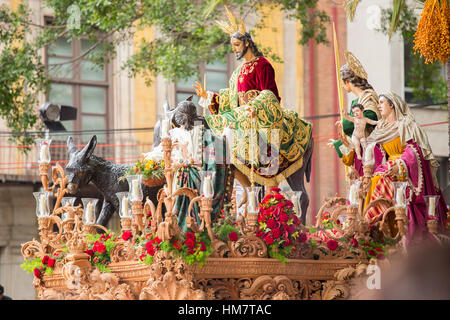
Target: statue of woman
{"points": [[409, 158], [354, 80]]}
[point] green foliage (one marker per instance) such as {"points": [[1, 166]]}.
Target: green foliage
{"points": [[187, 36], [31, 264], [224, 226]]}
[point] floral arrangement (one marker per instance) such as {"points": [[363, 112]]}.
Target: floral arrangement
{"points": [[278, 224], [45, 265], [99, 249], [225, 228], [191, 247], [149, 168]]}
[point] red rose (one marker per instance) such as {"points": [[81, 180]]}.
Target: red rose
{"points": [[365, 244], [354, 243], [276, 190], [380, 256], [279, 197], [287, 243], [157, 240], [89, 252], [276, 233], [303, 237], [190, 243], [372, 253], [191, 251], [45, 259], [284, 217], [268, 240], [99, 247], [332, 244], [295, 220], [202, 246], [267, 198], [126, 235], [190, 235], [271, 224], [379, 249], [232, 236], [51, 262], [281, 204], [149, 247], [37, 272], [178, 244]]}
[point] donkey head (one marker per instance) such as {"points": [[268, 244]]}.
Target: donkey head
{"points": [[78, 170]]}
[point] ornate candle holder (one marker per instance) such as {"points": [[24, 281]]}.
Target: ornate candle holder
{"points": [[42, 203], [432, 221], [136, 196]]}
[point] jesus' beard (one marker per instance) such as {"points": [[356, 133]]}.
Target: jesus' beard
{"points": [[239, 55]]}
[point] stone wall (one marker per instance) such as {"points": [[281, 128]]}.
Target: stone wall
{"points": [[18, 224]]}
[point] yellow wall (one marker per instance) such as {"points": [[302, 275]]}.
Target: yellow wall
{"points": [[144, 97], [271, 35]]}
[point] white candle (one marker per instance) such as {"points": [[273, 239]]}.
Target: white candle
{"points": [[165, 128], [125, 212], [353, 194], [400, 199], [45, 153], [251, 202], [207, 187], [90, 213], [43, 205], [135, 189], [432, 206]]}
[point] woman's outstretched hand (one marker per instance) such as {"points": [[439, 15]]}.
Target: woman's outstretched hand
{"points": [[199, 90]]}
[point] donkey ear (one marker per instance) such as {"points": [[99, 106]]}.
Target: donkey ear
{"points": [[88, 149], [71, 145]]}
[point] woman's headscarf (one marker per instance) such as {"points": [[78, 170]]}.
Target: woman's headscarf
{"points": [[406, 127]]}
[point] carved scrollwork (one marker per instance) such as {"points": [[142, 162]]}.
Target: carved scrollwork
{"points": [[266, 287], [249, 246]]}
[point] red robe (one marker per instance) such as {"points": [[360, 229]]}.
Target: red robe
{"points": [[256, 75]]}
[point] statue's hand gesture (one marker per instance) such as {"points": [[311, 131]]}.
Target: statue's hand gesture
{"points": [[199, 90]]}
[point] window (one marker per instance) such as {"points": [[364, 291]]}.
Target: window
{"points": [[424, 83], [217, 75], [81, 84]]}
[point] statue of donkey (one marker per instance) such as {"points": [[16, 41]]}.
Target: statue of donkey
{"points": [[186, 114], [86, 168]]}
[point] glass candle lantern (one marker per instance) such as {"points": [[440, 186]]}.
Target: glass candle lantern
{"points": [[67, 201], [165, 127], [353, 197], [369, 156], [253, 194], [135, 187], [400, 194], [124, 205], [42, 203], [432, 202], [295, 197], [207, 183], [44, 150], [90, 208]]}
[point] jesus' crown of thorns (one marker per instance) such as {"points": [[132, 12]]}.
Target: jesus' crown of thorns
{"points": [[231, 26]]}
